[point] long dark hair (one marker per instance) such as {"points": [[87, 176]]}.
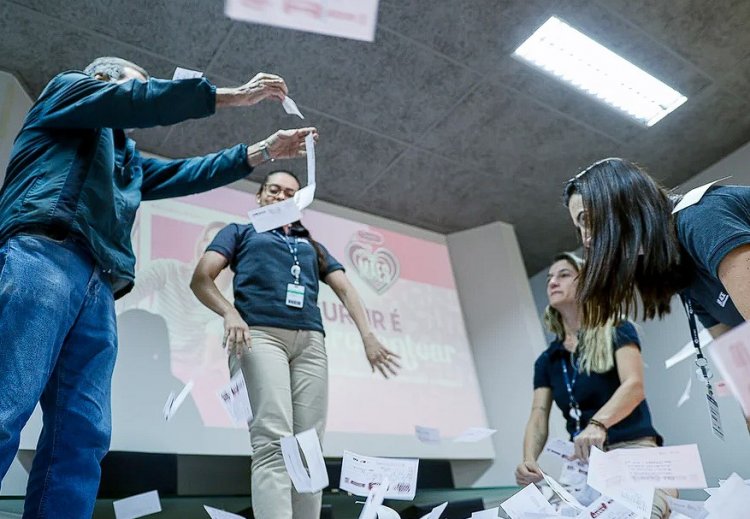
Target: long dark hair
{"points": [[634, 248], [298, 228]]}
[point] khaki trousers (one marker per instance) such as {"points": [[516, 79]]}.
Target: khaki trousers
{"points": [[660, 507], [286, 372]]}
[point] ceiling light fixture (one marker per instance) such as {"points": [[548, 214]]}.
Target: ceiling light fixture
{"points": [[576, 59]]}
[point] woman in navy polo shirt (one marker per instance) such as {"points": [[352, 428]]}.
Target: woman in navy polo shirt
{"points": [[595, 376], [275, 330], [642, 243]]}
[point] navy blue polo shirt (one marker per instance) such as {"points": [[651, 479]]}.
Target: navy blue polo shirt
{"points": [[262, 264], [708, 231], [594, 390]]}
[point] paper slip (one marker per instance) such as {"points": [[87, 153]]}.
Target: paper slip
{"points": [[694, 196], [304, 197], [574, 473], [528, 500], [174, 403], [731, 356], [304, 482], [273, 216], [290, 107], [563, 448], [427, 434], [731, 499], [186, 73], [215, 513], [236, 401], [387, 513], [491, 513], [343, 18], [359, 474], [690, 509], [609, 476], [677, 466], [374, 500], [436, 512], [606, 508], [688, 350], [474, 434], [686, 394], [566, 496], [137, 506]]}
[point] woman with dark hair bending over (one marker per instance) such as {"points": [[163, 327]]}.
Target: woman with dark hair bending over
{"points": [[278, 341], [595, 376], [636, 245]]}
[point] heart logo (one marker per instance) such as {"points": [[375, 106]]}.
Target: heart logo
{"points": [[375, 264]]}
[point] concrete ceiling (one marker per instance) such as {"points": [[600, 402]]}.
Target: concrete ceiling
{"points": [[433, 124]]}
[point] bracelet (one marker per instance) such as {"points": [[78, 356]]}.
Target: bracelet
{"points": [[265, 153], [598, 424]]}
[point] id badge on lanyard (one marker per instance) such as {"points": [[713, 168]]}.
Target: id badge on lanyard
{"points": [[295, 292], [703, 370]]}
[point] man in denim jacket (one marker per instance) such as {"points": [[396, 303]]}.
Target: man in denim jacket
{"points": [[67, 205]]}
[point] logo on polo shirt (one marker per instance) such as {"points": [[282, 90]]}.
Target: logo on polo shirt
{"points": [[376, 265], [722, 299]]}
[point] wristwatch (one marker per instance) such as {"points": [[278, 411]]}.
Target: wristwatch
{"points": [[265, 153]]}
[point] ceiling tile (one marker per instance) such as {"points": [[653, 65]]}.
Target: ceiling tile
{"points": [[167, 27], [391, 86]]}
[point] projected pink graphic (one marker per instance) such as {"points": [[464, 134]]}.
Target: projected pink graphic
{"points": [[406, 284]]}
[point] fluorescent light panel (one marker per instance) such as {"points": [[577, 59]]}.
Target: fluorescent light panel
{"points": [[573, 57]]}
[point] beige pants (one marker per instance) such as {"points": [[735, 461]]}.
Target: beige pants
{"points": [[660, 508], [286, 372]]}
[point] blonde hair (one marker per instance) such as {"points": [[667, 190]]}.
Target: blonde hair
{"points": [[595, 345]]}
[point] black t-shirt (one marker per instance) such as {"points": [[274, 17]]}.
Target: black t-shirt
{"points": [[708, 231], [592, 391], [262, 263]]}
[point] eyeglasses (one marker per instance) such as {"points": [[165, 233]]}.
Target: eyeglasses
{"points": [[276, 190]]}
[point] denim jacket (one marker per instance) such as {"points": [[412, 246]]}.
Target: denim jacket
{"points": [[72, 169]]}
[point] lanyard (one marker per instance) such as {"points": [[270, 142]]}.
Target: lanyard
{"points": [[575, 411], [295, 270], [703, 369]]}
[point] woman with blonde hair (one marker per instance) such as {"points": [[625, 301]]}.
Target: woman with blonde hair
{"points": [[595, 376]]}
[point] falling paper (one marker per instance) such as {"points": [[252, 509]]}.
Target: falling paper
{"points": [[685, 394], [608, 476], [174, 403], [236, 401], [731, 499], [360, 473], [688, 350], [731, 355], [559, 447], [310, 154], [215, 513], [490, 513], [273, 216], [374, 500], [474, 434], [137, 506], [566, 497], [690, 509], [290, 107], [436, 512], [344, 18], [528, 500], [186, 73], [304, 482], [606, 508], [427, 434]]}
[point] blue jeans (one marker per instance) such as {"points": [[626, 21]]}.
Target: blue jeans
{"points": [[58, 343]]}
